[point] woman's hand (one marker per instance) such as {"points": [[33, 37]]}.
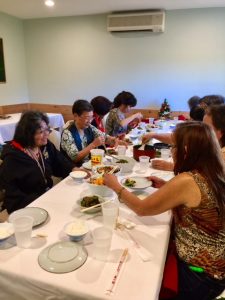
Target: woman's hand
{"points": [[160, 164], [156, 181], [111, 181], [147, 137]]}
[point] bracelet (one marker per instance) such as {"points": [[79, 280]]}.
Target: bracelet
{"points": [[119, 193]]}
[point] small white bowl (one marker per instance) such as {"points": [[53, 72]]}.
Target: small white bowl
{"points": [[6, 230], [78, 175], [76, 230], [101, 190]]}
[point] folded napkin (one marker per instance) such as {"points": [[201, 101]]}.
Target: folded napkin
{"points": [[142, 252]]}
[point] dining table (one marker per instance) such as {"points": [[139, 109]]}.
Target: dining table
{"points": [[9, 122], [22, 277]]}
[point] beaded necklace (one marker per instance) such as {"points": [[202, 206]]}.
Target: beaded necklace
{"points": [[31, 154]]}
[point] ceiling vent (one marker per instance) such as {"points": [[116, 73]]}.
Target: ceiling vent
{"points": [[153, 21]]}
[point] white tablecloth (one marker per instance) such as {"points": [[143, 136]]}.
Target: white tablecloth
{"points": [[22, 278], [7, 126]]}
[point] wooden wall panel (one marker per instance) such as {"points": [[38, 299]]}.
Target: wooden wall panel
{"points": [[66, 110], [153, 113], [16, 108]]}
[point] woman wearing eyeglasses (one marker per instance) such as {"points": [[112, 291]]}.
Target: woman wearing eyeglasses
{"points": [[29, 161], [196, 196]]}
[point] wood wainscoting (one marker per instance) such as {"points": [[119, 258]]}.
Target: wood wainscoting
{"points": [[66, 110], [14, 108]]}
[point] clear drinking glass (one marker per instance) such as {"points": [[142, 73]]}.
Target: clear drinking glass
{"points": [[23, 229], [102, 237]]}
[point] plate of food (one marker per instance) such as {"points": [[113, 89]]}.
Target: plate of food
{"points": [[105, 169], [91, 200], [136, 182], [126, 163], [111, 151]]}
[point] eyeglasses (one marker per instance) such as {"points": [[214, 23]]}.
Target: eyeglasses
{"points": [[46, 130], [86, 118]]}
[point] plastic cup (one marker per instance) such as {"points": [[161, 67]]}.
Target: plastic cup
{"points": [[151, 120], [144, 163], [97, 156], [165, 153], [110, 211], [102, 237], [121, 149], [23, 229]]}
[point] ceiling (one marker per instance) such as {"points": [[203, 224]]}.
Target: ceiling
{"points": [[28, 9]]}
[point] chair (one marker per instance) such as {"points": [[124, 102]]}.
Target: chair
{"points": [[67, 124], [55, 138]]}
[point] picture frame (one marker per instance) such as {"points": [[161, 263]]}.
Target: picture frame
{"points": [[2, 63]]}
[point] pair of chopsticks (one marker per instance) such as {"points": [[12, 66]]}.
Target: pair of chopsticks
{"points": [[110, 172], [121, 263], [94, 206]]}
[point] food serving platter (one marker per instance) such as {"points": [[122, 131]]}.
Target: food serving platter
{"points": [[39, 215]]}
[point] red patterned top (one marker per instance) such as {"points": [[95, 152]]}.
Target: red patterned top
{"points": [[199, 234]]}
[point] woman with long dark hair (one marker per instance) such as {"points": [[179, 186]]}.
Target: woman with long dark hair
{"points": [[29, 161], [197, 197]]}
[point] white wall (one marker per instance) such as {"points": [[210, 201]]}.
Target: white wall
{"points": [[75, 57], [15, 89]]}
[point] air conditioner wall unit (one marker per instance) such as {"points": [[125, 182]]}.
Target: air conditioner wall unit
{"points": [[151, 21]]}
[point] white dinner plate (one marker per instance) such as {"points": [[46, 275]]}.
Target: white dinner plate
{"points": [[87, 165], [166, 175], [62, 257], [140, 183], [39, 215]]}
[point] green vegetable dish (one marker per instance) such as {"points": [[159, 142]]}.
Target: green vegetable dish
{"points": [[89, 201], [129, 182], [122, 161]]}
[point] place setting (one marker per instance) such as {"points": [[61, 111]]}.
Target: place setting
{"points": [[136, 183], [39, 215]]}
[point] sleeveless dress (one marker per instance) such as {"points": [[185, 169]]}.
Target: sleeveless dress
{"points": [[199, 234]]}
